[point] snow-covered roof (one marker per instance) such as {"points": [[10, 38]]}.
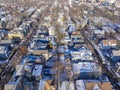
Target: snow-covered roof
{"points": [[116, 52], [97, 31], [80, 85], [2, 49], [71, 86], [41, 85], [82, 54], [85, 67], [65, 85], [37, 70]]}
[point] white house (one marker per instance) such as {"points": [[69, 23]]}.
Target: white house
{"points": [[115, 55], [86, 70], [98, 33], [82, 54]]}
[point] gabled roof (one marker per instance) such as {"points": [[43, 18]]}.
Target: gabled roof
{"points": [[32, 58], [97, 31], [6, 41], [109, 42], [80, 85], [85, 67], [76, 33], [116, 52], [101, 85], [3, 49]]}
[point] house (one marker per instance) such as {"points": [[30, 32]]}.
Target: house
{"points": [[4, 53], [80, 85], [66, 40], [109, 31], [86, 70], [82, 54], [16, 34], [2, 24], [41, 85], [64, 53], [75, 33], [108, 44], [93, 85], [39, 45], [92, 27], [44, 52], [117, 28], [61, 48], [37, 72], [97, 85], [7, 42], [3, 34], [37, 59], [77, 37], [115, 56], [98, 33], [48, 71], [42, 32], [46, 85], [65, 85]]}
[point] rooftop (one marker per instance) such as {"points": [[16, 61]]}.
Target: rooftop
{"points": [[37, 70], [82, 54], [116, 52], [2, 49], [98, 86], [80, 85], [109, 42], [85, 67], [32, 58]]}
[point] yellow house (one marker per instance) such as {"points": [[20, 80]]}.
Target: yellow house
{"points": [[15, 33]]}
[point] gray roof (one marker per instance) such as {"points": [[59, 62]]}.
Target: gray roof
{"points": [[116, 52], [5, 41]]}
